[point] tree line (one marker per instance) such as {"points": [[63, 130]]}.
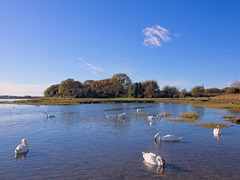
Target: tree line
{"points": [[121, 86]]}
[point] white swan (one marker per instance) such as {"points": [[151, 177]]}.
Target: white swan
{"points": [[49, 116], [168, 137], [110, 116], [152, 158], [121, 115], [22, 148], [151, 117], [217, 131], [138, 111]]}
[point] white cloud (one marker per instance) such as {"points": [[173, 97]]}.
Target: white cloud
{"points": [[15, 89], [155, 36], [91, 67], [178, 35]]}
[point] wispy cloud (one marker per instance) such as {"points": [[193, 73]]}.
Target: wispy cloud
{"points": [[178, 35], [92, 68], [155, 36]]}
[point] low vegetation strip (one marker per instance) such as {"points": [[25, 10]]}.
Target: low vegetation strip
{"points": [[204, 102], [213, 125]]}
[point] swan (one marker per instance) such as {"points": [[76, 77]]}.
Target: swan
{"points": [[22, 148], [152, 158], [121, 115], [168, 137], [138, 111], [151, 117], [49, 116], [110, 116], [216, 130]]}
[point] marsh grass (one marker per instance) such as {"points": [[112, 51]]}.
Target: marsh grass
{"points": [[213, 125], [235, 120], [182, 120], [191, 116]]}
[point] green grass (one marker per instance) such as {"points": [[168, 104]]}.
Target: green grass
{"points": [[182, 120], [190, 116], [213, 125]]}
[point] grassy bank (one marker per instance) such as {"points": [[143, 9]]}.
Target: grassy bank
{"points": [[221, 102]]}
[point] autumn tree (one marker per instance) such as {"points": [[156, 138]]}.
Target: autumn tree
{"points": [[236, 84], [120, 84], [151, 89], [70, 88], [52, 91], [197, 91]]}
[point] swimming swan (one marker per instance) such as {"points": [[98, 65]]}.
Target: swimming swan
{"points": [[217, 131], [49, 116], [121, 115], [151, 117], [22, 148], [168, 137], [138, 111], [151, 158]]}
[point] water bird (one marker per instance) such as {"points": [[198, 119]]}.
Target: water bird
{"points": [[168, 137], [151, 117], [110, 116], [121, 115], [152, 158], [22, 148], [138, 111], [49, 116], [217, 131]]}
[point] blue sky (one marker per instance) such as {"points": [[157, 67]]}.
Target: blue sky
{"points": [[181, 43]]}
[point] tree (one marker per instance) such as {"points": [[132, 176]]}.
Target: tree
{"points": [[136, 90], [151, 89], [183, 93], [170, 91], [70, 88], [212, 91], [120, 84], [236, 84], [52, 91], [197, 91]]}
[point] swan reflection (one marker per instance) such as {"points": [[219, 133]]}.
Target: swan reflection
{"points": [[218, 137], [151, 167], [22, 156]]}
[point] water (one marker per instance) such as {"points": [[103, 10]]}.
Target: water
{"points": [[79, 143]]}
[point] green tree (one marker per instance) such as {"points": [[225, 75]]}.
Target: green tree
{"points": [[136, 90]]}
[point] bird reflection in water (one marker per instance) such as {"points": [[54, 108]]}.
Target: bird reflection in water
{"points": [[151, 167], [218, 137], [22, 156]]}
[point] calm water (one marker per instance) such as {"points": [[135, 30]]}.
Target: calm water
{"points": [[79, 143]]}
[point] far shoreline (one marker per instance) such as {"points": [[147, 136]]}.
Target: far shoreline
{"points": [[231, 104]]}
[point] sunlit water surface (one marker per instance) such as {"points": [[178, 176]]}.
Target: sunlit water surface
{"points": [[79, 143]]}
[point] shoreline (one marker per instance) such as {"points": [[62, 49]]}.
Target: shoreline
{"points": [[203, 102]]}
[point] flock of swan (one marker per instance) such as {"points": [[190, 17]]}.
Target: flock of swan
{"points": [[150, 157]]}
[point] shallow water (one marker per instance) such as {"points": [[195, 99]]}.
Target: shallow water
{"points": [[79, 143]]}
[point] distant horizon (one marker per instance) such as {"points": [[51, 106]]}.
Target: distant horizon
{"points": [[177, 43]]}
